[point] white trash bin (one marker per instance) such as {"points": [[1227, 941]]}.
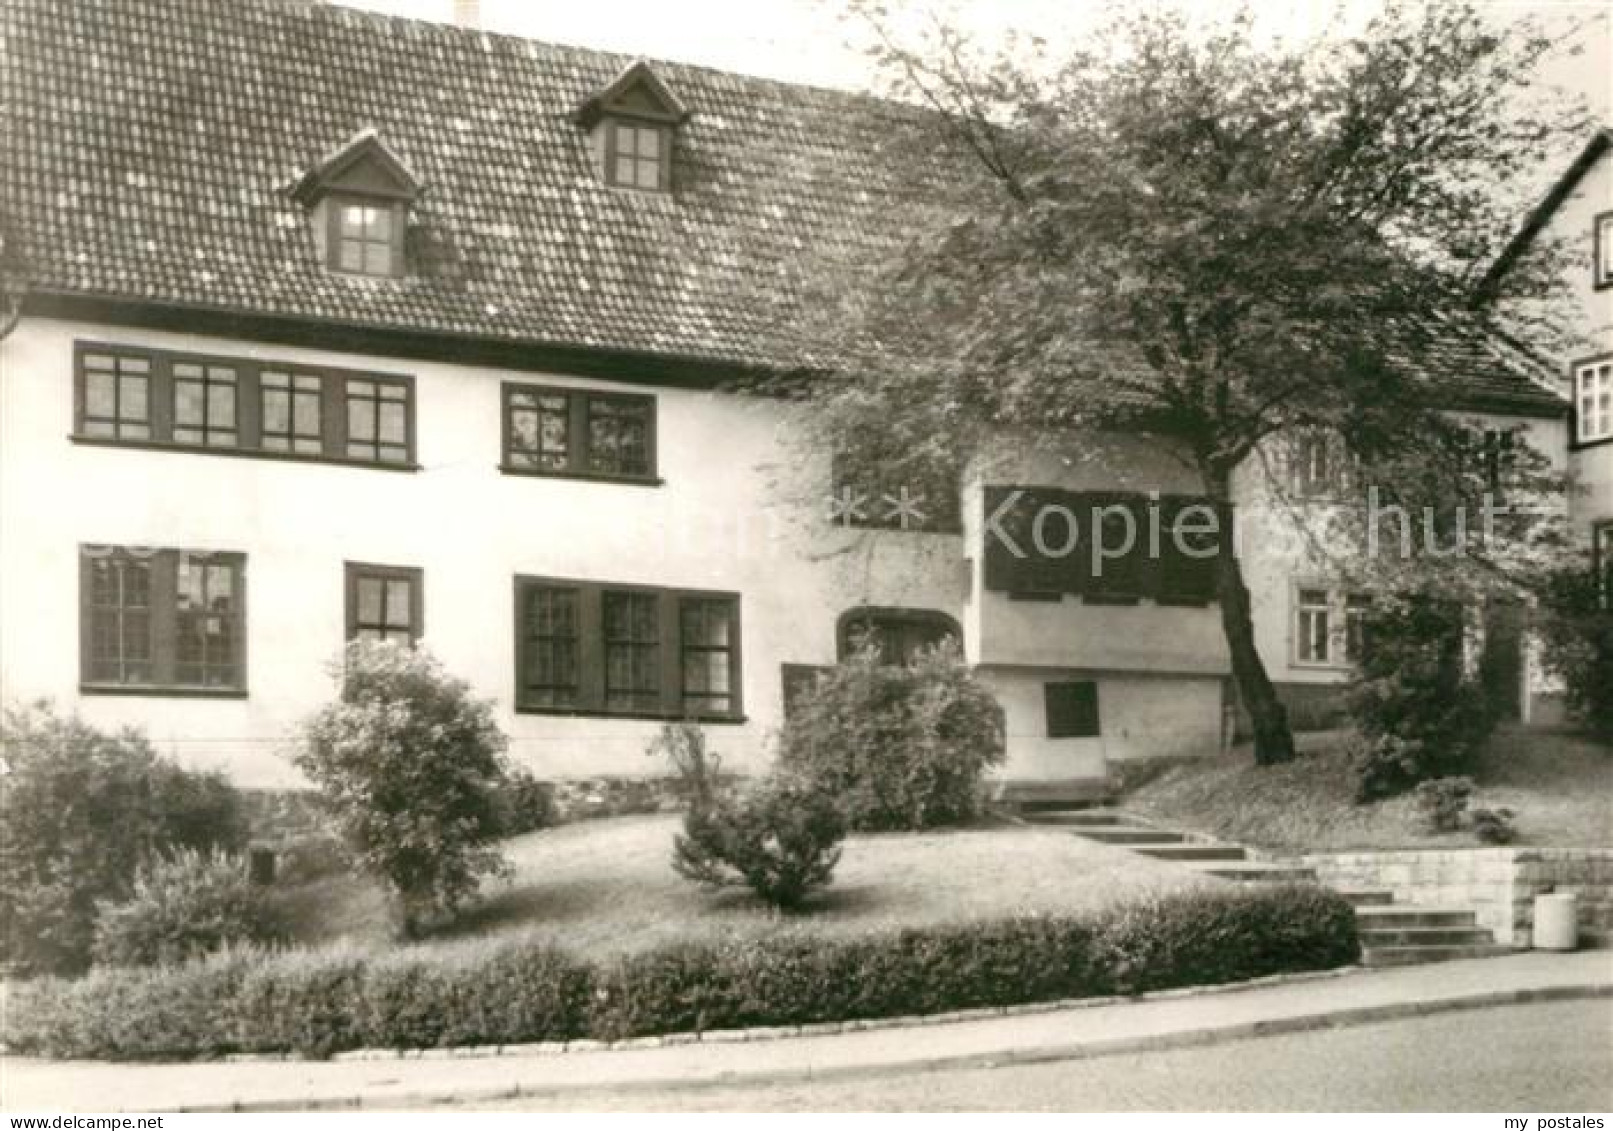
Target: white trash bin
{"points": [[1556, 922]]}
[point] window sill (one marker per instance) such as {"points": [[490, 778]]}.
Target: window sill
{"points": [[152, 691], [584, 476], [1321, 666], [632, 716], [1118, 599], [237, 453], [1581, 445]]}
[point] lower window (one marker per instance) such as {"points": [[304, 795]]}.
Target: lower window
{"points": [[162, 621], [584, 647], [1072, 709], [384, 603], [1330, 626]]}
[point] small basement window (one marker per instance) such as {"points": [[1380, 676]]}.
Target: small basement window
{"points": [[1072, 709]]}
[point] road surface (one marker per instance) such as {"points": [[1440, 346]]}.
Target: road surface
{"points": [[1555, 1057]]}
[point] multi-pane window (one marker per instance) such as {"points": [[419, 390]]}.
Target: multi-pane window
{"points": [[550, 647], [290, 412], [206, 651], [539, 430], [572, 432], [1330, 626], [119, 610], [377, 420], [1319, 463], [618, 436], [1593, 399], [384, 603], [365, 237], [632, 652], [1500, 454], [1313, 626], [115, 395], [162, 620], [205, 405], [639, 155], [240, 406], [709, 637], [591, 648], [1602, 555]]}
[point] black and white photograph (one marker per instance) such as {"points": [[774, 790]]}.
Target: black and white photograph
{"points": [[806, 556]]}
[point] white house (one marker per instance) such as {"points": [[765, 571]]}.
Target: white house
{"points": [[345, 325]]}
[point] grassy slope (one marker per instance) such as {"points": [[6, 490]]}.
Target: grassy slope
{"points": [[606, 886], [1560, 788]]}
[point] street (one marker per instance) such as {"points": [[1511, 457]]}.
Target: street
{"points": [[1555, 1057]]}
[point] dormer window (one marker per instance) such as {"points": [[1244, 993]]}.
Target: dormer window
{"points": [[633, 125], [358, 199], [638, 155], [365, 235]]}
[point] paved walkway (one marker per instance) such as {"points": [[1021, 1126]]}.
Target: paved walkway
{"points": [[1168, 1022]]}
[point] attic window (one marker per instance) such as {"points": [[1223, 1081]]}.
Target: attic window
{"points": [[358, 199], [633, 126], [364, 236], [638, 154]]}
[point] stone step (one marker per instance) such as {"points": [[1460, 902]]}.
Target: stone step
{"points": [[1258, 871], [1366, 898], [1378, 937], [1069, 793], [1407, 915], [1128, 835], [1094, 818], [1194, 852], [1413, 955]]}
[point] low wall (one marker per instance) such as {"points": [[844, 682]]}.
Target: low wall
{"points": [[1500, 884]]}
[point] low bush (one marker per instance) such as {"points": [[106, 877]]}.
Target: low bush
{"points": [[318, 1003], [780, 836], [1494, 826], [523, 804], [897, 746], [409, 764], [182, 907], [1442, 803], [80, 811]]}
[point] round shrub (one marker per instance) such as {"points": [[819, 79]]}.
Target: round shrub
{"points": [[183, 906], [410, 766], [524, 804], [1442, 802], [80, 811], [781, 837], [898, 747]]}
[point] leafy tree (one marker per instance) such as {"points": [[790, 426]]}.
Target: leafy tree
{"points": [[411, 766], [1207, 240], [1577, 630]]}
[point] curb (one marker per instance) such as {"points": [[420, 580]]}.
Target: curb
{"points": [[1078, 1050]]}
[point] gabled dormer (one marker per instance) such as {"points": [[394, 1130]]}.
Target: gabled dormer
{"points": [[358, 200], [632, 125]]}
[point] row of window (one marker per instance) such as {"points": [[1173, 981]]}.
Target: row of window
{"points": [[240, 405], [174, 621], [1329, 626]]}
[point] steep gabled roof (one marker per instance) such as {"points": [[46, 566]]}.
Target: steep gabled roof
{"points": [[639, 91], [1543, 212], [152, 153]]}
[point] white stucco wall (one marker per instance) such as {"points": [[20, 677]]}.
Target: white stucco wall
{"points": [[732, 515]]}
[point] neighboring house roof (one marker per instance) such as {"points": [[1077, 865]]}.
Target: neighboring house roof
{"points": [[153, 151], [1543, 212]]}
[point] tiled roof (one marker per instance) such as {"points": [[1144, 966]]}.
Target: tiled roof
{"points": [[150, 150]]}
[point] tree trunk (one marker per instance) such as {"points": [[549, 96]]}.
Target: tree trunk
{"points": [[1274, 742]]}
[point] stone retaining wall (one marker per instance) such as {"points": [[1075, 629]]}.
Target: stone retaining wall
{"points": [[1500, 884]]}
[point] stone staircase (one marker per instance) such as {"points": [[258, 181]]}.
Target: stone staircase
{"points": [[1391, 934]]}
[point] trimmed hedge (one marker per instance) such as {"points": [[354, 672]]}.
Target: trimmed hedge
{"points": [[320, 1002]]}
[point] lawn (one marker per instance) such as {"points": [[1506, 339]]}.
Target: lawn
{"points": [[607, 887], [1559, 786]]}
